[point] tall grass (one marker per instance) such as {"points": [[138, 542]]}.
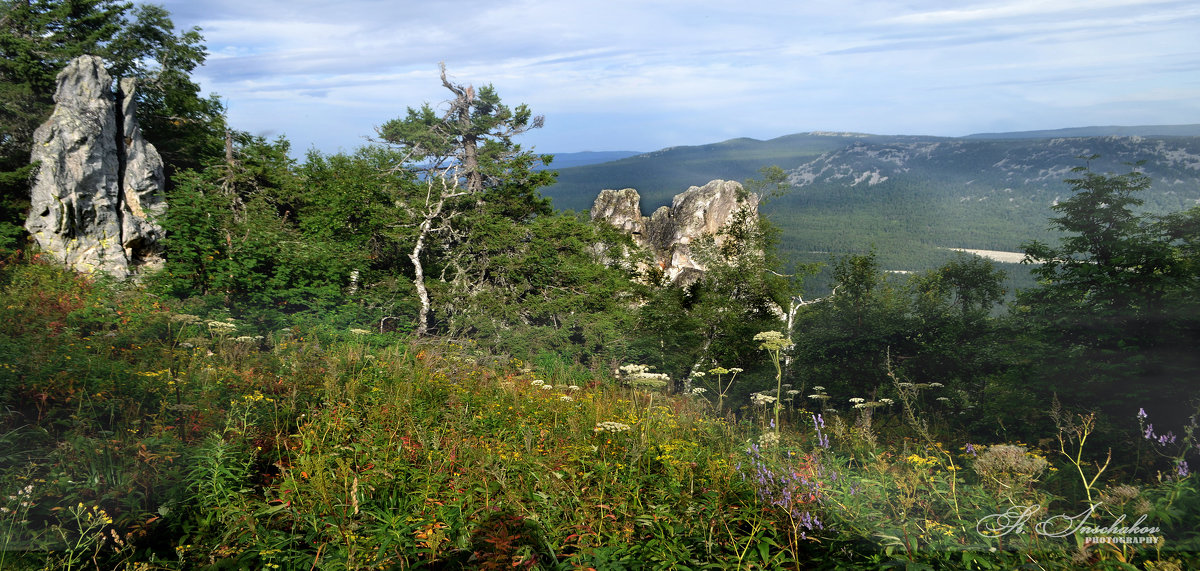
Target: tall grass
{"points": [[138, 436]]}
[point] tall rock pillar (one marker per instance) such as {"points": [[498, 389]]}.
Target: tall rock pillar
{"points": [[99, 184]]}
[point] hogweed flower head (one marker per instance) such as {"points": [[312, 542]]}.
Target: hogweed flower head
{"points": [[768, 439], [772, 341], [761, 399], [639, 376], [611, 427]]}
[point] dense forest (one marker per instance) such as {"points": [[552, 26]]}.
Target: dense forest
{"points": [[404, 357]]}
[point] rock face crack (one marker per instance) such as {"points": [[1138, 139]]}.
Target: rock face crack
{"points": [[99, 185]]}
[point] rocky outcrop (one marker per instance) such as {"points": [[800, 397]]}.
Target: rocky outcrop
{"points": [[670, 232], [99, 185]]}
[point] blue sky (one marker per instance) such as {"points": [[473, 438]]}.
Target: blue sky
{"points": [[647, 74]]}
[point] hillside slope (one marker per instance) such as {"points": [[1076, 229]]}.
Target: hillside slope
{"points": [[910, 197]]}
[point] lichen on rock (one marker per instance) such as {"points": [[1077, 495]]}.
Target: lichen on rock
{"points": [[99, 184]]}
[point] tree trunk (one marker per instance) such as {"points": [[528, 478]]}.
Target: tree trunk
{"points": [[419, 280]]}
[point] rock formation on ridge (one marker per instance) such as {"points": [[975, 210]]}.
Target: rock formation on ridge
{"points": [[99, 184], [669, 232]]}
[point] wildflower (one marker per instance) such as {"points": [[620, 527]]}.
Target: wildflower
{"points": [[735, 370], [1142, 414], [772, 341], [818, 396], [768, 439], [639, 376], [698, 374], [818, 388], [697, 391], [537, 382], [611, 427], [793, 392], [573, 388], [971, 449], [357, 331], [761, 399], [224, 326], [822, 438], [1182, 469], [936, 385], [887, 401], [944, 399], [565, 398], [858, 400]]}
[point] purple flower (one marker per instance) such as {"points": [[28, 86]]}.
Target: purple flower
{"points": [[1182, 469], [1149, 432], [1142, 414], [971, 449]]}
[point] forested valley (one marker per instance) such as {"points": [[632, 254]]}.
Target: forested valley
{"points": [[405, 357]]}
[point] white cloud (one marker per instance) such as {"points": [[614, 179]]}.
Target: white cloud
{"points": [[638, 74]]}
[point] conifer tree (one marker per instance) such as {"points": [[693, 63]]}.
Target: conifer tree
{"points": [[473, 174]]}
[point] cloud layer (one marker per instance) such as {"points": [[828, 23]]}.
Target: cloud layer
{"points": [[646, 74]]}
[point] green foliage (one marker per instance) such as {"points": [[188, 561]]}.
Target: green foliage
{"points": [[231, 233], [545, 290], [37, 40], [184, 444], [1116, 300], [187, 130]]}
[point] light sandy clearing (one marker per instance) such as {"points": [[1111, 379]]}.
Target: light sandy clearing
{"points": [[997, 255]]}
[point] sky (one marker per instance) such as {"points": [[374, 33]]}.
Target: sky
{"points": [[641, 75]]}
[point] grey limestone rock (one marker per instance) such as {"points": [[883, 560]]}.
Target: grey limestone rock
{"points": [[668, 233], [99, 185]]}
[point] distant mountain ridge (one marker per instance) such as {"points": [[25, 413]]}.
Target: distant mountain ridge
{"points": [[1108, 131], [909, 197], [568, 160]]}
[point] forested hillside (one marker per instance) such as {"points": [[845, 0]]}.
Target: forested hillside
{"points": [[403, 357], [909, 197]]}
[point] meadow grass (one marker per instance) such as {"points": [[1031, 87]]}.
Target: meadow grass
{"points": [[139, 436]]}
